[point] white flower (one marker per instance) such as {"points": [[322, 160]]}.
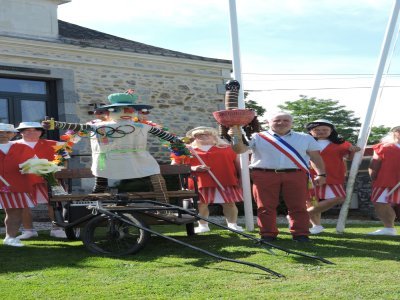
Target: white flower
{"points": [[39, 166]]}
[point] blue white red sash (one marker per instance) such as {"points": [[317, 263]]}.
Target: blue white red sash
{"points": [[291, 153], [285, 148]]}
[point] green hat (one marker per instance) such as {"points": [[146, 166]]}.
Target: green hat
{"points": [[128, 99]]}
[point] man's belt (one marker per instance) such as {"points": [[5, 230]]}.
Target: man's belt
{"points": [[276, 170]]}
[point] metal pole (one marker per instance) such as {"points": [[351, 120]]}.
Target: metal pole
{"points": [[366, 127], [244, 157]]}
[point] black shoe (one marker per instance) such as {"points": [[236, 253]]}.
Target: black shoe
{"points": [[301, 238], [268, 239]]}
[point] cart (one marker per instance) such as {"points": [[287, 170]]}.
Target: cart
{"points": [[117, 224]]}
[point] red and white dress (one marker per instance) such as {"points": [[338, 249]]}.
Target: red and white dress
{"points": [[335, 168], [222, 164], [42, 149], [388, 174], [18, 193]]}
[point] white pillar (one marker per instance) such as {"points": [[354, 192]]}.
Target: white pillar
{"points": [[366, 127], [237, 75]]}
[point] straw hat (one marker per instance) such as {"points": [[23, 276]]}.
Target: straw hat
{"points": [[7, 127], [201, 129]]}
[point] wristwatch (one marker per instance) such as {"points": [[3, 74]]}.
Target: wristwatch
{"points": [[321, 175]]}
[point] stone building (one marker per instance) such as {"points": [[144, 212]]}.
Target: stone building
{"points": [[53, 68]]}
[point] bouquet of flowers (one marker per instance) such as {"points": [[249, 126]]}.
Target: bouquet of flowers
{"points": [[63, 150], [46, 170]]}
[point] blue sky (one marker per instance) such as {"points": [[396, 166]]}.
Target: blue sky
{"points": [[314, 37]]}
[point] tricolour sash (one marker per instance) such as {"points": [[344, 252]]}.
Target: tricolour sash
{"points": [[291, 153], [285, 148]]}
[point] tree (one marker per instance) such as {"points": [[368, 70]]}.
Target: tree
{"points": [[254, 105], [306, 110], [377, 133]]}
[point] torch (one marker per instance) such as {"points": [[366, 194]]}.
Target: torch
{"points": [[233, 116]]}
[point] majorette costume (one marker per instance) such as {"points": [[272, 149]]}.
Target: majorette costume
{"points": [[221, 161], [335, 168], [42, 149], [333, 151], [15, 188], [388, 174]]}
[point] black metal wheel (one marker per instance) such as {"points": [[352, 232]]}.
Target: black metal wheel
{"points": [[111, 236], [73, 233]]}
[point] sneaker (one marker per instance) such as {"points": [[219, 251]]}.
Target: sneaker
{"points": [[58, 233], [384, 231], [14, 242], [236, 227], [301, 238], [316, 229], [27, 234], [202, 228]]}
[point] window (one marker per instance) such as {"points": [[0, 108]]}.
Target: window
{"points": [[26, 100]]}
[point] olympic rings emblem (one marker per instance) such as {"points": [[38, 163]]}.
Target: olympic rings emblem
{"points": [[118, 132]]}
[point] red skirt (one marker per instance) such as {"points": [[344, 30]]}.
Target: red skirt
{"points": [[41, 193], [326, 190], [379, 194], [16, 200], [231, 194]]}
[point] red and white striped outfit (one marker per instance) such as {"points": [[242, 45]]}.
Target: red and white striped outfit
{"points": [[388, 175], [222, 163], [329, 191], [43, 149], [333, 155], [18, 194]]}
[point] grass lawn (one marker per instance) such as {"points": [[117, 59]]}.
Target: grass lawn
{"points": [[365, 268]]}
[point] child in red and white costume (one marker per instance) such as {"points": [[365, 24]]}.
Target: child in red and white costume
{"points": [[222, 161], [15, 188], [384, 170], [334, 150]]}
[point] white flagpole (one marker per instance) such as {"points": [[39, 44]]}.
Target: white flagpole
{"points": [[366, 127], [244, 157]]}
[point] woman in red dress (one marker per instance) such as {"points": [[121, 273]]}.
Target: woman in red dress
{"points": [[384, 170], [15, 188], [221, 160], [334, 150]]}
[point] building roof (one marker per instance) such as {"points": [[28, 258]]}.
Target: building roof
{"points": [[77, 35]]}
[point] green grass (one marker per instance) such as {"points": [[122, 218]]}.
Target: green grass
{"points": [[365, 268]]}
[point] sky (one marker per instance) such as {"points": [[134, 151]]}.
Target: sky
{"points": [[327, 49]]}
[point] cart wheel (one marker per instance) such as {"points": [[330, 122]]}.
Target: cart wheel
{"points": [[111, 236], [73, 233], [190, 229]]}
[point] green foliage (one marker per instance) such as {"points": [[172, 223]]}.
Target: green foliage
{"points": [[306, 110], [254, 105], [377, 133]]}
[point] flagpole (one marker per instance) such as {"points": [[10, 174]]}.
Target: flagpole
{"points": [[244, 157], [366, 127]]}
